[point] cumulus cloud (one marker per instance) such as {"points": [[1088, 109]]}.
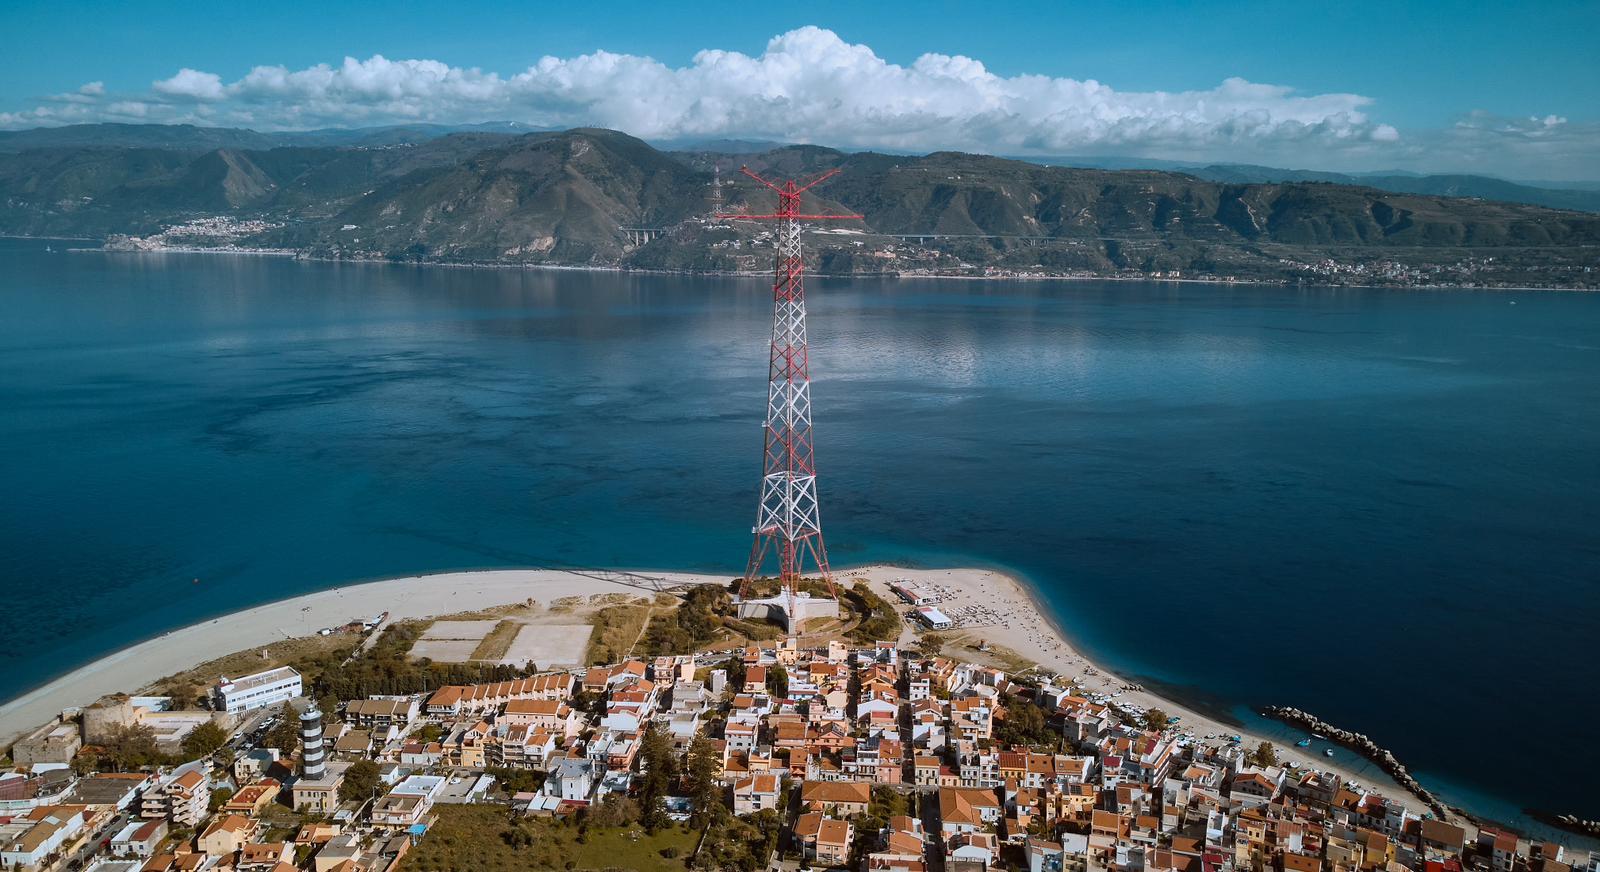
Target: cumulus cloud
{"points": [[191, 85], [809, 85]]}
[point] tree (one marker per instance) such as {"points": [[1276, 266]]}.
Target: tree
{"points": [[517, 780], [778, 681], [735, 668], [360, 781], [1024, 724], [930, 645], [1155, 719], [888, 802], [705, 790], [1264, 755], [204, 740], [614, 811], [285, 734], [130, 746], [658, 765]]}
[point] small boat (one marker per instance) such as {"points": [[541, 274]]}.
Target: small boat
{"points": [[1303, 743], [1327, 752], [1319, 737]]}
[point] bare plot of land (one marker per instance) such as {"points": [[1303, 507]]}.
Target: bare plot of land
{"points": [[445, 650], [473, 630], [549, 645]]}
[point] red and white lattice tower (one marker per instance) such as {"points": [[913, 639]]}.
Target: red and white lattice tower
{"points": [[787, 517]]}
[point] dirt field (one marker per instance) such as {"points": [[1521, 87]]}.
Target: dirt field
{"points": [[549, 645]]}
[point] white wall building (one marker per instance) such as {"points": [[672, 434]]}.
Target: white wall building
{"points": [[257, 691], [934, 618]]}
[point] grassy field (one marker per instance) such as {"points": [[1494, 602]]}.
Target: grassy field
{"points": [[467, 838], [187, 687], [616, 629], [498, 642]]}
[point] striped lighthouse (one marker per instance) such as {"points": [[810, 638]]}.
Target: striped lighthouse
{"points": [[312, 760]]}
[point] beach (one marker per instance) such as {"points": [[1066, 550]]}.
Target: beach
{"points": [[424, 596], [987, 605], [999, 609]]}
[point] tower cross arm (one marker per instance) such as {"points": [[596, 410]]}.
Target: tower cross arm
{"points": [[798, 217]]}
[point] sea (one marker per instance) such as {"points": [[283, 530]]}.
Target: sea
{"points": [[1381, 506]]}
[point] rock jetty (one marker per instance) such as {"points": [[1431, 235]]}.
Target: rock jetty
{"points": [[1361, 744], [1569, 822]]}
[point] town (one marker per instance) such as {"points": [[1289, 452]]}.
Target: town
{"points": [[777, 754]]}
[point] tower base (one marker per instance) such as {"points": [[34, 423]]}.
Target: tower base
{"points": [[776, 609]]}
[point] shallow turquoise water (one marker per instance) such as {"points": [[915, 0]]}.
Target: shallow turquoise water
{"points": [[1380, 506]]}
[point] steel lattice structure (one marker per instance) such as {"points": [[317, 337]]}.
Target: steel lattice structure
{"points": [[788, 520]]}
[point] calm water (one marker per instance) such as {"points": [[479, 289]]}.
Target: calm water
{"points": [[1378, 506]]}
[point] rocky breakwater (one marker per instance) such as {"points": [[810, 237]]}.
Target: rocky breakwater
{"points": [[1569, 822], [1361, 744]]}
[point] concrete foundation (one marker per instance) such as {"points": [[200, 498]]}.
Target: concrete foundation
{"points": [[776, 609]]}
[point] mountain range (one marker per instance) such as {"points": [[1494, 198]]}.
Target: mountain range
{"points": [[488, 194]]}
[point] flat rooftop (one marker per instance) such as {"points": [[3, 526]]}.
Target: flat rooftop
{"points": [[260, 679]]}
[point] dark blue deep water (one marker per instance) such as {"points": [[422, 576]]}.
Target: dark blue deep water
{"points": [[1380, 506]]}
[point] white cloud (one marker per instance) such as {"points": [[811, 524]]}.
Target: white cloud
{"points": [[191, 85], [807, 86]]}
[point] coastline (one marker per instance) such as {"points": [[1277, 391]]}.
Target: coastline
{"points": [[420, 596], [994, 605], [1007, 612], [297, 254]]}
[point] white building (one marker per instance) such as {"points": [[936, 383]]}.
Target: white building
{"points": [[914, 594], [934, 618], [257, 691]]}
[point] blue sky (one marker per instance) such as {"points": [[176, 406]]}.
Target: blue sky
{"points": [[1427, 71]]}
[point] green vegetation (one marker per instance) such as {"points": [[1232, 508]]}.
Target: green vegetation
{"points": [[285, 734], [616, 630], [470, 838], [702, 781], [204, 740], [556, 198], [1024, 724], [739, 844], [388, 669], [887, 802], [360, 782], [931, 644], [1155, 719], [879, 620], [1264, 755], [777, 680], [658, 769], [514, 781], [219, 798], [310, 656], [495, 645], [126, 747], [695, 624]]}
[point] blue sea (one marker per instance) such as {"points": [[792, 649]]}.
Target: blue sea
{"points": [[1380, 506]]}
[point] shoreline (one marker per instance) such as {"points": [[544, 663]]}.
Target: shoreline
{"points": [[420, 596], [996, 606], [1005, 609], [297, 254], [1023, 623]]}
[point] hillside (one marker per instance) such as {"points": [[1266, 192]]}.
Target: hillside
{"points": [[567, 198], [1444, 185]]}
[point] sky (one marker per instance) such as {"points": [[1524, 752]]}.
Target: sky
{"points": [[1504, 89]]}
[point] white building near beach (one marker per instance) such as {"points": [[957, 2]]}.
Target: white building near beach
{"points": [[260, 690], [935, 619]]}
